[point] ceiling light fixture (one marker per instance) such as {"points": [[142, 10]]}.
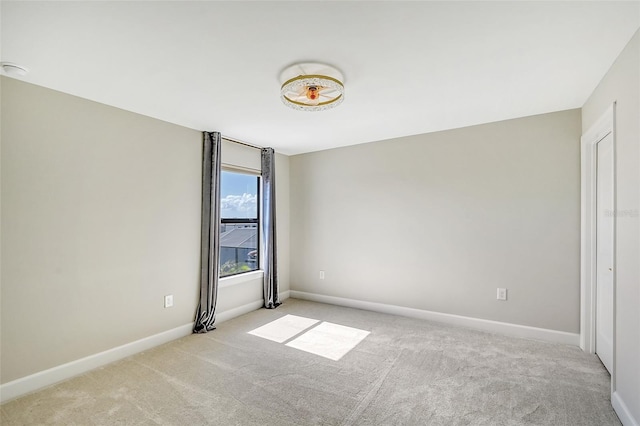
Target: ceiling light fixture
{"points": [[311, 86], [13, 69]]}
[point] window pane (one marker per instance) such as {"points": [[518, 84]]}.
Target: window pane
{"points": [[238, 248], [238, 196], [239, 227]]}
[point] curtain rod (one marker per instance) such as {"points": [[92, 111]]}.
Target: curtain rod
{"points": [[242, 143]]}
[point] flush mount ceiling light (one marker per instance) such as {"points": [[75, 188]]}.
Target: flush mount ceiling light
{"points": [[13, 69], [311, 86]]}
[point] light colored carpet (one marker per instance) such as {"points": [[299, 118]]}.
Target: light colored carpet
{"points": [[405, 372]]}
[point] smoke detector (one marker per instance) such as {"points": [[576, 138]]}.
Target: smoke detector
{"points": [[13, 69]]}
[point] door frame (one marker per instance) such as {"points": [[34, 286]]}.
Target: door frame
{"points": [[603, 127]]}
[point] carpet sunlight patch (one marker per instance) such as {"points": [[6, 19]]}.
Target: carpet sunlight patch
{"points": [[283, 328], [329, 340]]}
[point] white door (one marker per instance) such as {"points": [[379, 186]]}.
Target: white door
{"points": [[604, 251]]}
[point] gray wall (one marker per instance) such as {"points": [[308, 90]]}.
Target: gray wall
{"points": [[622, 85], [439, 221], [100, 219]]}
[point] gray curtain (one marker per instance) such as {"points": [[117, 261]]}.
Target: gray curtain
{"points": [[210, 249], [268, 224]]}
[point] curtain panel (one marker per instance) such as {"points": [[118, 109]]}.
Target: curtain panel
{"points": [[268, 224], [210, 237]]}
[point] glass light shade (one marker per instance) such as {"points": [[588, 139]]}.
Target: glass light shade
{"points": [[312, 92]]}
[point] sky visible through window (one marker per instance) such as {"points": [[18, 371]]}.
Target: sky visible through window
{"points": [[239, 196]]}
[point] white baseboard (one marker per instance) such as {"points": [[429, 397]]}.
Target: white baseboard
{"points": [[28, 384], [622, 411], [477, 323], [284, 295]]}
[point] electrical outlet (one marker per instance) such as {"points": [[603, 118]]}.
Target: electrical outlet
{"points": [[322, 275], [502, 294], [168, 301]]}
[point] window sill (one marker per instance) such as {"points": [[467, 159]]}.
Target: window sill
{"points": [[240, 278]]}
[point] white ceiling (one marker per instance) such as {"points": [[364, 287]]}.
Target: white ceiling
{"points": [[410, 67]]}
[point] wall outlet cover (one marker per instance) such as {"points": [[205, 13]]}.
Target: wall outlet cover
{"points": [[168, 301], [502, 294]]}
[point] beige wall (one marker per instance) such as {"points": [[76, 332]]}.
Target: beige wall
{"points": [[100, 219], [622, 85], [282, 221], [439, 221]]}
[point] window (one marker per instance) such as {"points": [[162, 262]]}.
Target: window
{"points": [[239, 250]]}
